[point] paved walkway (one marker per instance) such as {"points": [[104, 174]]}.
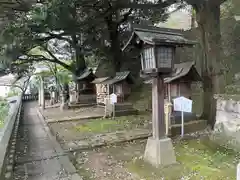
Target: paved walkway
{"points": [[38, 155]]}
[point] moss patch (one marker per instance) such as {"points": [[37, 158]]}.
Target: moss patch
{"points": [[197, 159], [116, 124]]}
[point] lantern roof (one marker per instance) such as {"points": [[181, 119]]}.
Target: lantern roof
{"points": [[158, 36]]}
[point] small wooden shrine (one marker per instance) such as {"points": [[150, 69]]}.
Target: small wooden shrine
{"points": [[179, 82], [120, 85], [102, 90], [84, 80]]}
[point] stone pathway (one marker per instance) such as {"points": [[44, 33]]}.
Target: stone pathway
{"points": [[38, 155]]}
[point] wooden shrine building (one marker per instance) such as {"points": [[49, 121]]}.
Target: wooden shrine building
{"points": [[120, 85], [84, 80], [179, 82]]}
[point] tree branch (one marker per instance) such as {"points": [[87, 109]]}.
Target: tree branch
{"points": [[56, 60], [125, 16], [55, 36]]}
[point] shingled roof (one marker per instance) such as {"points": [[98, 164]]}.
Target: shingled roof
{"points": [[181, 70], [156, 36], [120, 76], [100, 80], [86, 73]]}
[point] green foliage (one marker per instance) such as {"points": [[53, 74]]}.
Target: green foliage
{"points": [[230, 29], [4, 108], [13, 92], [86, 28], [232, 89], [64, 77]]}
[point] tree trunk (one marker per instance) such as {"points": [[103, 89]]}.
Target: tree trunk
{"points": [[193, 19], [208, 18], [115, 49], [80, 64]]}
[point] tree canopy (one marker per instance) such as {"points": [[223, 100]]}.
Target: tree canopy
{"points": [[83, 28]]}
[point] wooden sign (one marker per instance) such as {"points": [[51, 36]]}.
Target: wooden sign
{"points": [[113, 98]]}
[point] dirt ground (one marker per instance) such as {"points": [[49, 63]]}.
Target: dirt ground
{"points": [[197, 160], [102, 164]]}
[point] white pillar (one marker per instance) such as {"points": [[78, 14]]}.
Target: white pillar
{"points": [[39, 95], [42, 93]]}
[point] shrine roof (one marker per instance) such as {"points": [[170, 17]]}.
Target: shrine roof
{"points": [[100, 80], [120, 76], [181, 70], [86, 73], [159, 36]]}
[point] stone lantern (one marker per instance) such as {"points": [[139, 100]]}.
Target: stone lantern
{"points": [[157, 51]]}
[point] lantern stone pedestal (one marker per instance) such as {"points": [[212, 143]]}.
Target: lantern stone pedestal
{"points": [[64, 106], [64, 103], [159, 152], [159, 149]]}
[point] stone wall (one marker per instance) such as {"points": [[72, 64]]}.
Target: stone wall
{"points": [[227, 126], [8, 138]]}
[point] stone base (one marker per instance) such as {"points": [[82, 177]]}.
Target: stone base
{"points": [[52, 101], [64, 106], [160, 152]]}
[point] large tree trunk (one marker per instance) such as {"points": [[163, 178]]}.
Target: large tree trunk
{"points": [[80, 64], [208, 18], [115, 49]]}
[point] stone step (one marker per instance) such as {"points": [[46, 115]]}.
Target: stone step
{"points": [[119, 107], [126, 112]]}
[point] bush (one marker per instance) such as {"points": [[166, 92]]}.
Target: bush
{"points": [[4, 107]]}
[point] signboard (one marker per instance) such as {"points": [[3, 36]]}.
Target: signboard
{"points": [[182, 104], [238, 171], [113, 98]]}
